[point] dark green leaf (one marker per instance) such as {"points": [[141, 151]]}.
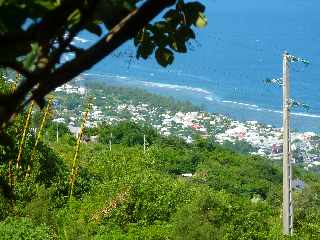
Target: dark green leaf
{"points": [[186, 33], [164, 56], [145, 50]]}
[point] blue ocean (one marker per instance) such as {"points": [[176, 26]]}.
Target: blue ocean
{"points": [[226, 67]]}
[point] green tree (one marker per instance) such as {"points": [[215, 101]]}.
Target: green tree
{"points": [[34, 37], [239, 146], [127, 133]]}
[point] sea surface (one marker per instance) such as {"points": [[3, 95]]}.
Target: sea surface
{"points": [[225, 68]]}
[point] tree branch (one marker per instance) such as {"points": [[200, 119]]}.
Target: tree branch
{"points": [[121, 33], [48, 81], [45, 30], [73, 31]]}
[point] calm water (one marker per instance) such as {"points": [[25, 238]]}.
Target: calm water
{"points": [[225, 68]]}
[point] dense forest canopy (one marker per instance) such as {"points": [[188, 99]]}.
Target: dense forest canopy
{"points": [[35, 35]]}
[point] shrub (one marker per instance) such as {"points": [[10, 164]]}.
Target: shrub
{"points": [[23, 228]]}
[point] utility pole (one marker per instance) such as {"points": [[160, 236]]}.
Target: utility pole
{"points": [[110, 142], [287, 214], [57, 134], [287, 211]]}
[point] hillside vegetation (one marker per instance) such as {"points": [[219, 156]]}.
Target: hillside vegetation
{"points": [[127, 193]]}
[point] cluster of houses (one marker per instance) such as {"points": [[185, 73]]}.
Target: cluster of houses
{"points": [[266, 139], [69, 89]]}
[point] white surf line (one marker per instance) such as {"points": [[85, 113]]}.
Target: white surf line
{"points": [[257, 108]]}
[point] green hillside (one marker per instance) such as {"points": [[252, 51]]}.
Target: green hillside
{"points": [[128, 194]]}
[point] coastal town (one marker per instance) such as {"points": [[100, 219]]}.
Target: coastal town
{"points": [[265, 140]]}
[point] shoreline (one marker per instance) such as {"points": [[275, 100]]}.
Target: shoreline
{"points": [[301, 121], [182, 119]]}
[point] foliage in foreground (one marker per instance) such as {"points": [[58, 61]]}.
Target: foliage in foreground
{"points": [[126, 194], [36, 35]]}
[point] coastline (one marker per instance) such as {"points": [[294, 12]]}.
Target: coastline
{"points": [[114, 104], [208, 101]]}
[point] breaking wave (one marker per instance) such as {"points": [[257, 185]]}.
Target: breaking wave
{"points": [[136, 82], [106, 75], [261, 109], [240, 103], [175, 87], [209, 96]]}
